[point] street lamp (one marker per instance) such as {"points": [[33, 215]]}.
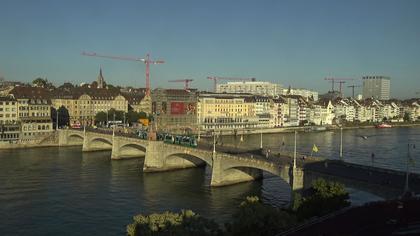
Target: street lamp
{"points": [[341, 142], [56, 120], [407, 171], [294, 153], [214, 143]]}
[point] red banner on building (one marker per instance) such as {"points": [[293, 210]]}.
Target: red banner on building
{"points": [[177, 108]]}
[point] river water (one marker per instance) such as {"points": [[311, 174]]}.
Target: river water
{"points": [[51, 191]]}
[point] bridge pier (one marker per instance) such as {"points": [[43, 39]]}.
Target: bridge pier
{"points": [[124, 149], [296, 179], [96, 142], [69, 138], [164, 157], [221, 176]]}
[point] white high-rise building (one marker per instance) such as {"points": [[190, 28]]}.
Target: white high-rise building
{"points": [[377, 87], [252, 87], [301, 92]]}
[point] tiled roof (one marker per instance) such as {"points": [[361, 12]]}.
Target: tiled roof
{"points": [[21, 92]]}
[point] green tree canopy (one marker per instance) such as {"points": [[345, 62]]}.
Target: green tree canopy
{"points": [[186, 223], [40, 82], [119, 115], [256, 218], [63, 116], [407, 116], [100, 117], [322, 198]]}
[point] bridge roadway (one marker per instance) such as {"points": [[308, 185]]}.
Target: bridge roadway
{"points": [[231, 165], [227, 168]]}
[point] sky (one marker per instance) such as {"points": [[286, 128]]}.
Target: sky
{"points": [[295, 42]]}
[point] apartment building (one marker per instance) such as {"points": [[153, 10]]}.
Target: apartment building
{"points": [[33, 111], [376, 87], [222, 111], [251, 87], [9, 124], [84, 103]]}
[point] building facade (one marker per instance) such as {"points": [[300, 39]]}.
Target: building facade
{"points": [[83, 104], [226, 112], [175, 110], [251, 87], [377, 87], [9, 124], [33, 112]]}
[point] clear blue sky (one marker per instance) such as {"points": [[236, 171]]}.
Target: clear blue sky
{"points": [[292, 42]]}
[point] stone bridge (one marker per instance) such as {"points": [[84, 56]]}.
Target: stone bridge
{"points": [[159, 156], [231, 169]]}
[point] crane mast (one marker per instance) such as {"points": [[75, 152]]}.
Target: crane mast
{"points": [[146, 61], [185, 81]]}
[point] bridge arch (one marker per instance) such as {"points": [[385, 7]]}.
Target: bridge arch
{"points": [[236, 169], [185, 160], [131, 150], [100, 140], [75, 138], [97, 144]]}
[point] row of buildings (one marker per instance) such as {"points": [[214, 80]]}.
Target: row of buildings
{"points": [[204, 111], [26, 112]]}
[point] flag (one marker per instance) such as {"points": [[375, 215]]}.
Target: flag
{"points": [[315, 148], [412, 161]]}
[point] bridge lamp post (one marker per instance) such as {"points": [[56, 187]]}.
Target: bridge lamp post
{"points": [[407, 171], [56, 119], [341, 142], [294, 153], [261, 139], [113, 128], [214, 143]]}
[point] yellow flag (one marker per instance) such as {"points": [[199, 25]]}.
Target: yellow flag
{"points": [[412, 161], [315, 148]]}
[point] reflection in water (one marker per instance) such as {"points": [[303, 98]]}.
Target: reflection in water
{"points": [[62, 190], [388, 145]]}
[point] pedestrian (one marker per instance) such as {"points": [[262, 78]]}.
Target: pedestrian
{"points": [[372, 156], [303, 158]]}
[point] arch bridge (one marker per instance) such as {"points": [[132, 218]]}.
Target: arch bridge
{"points": [[159, 156]]}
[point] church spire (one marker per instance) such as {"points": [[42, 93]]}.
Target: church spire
{"points": [[100, 80]]}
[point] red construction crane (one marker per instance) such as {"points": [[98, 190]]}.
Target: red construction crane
{"points": [[146, 61], [215, 79], [352, 88], [186, 82]]}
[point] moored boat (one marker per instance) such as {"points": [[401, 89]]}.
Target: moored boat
{"points": [[383, 125]]}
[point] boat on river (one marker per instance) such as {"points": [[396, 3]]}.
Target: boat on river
{"points": [[383, 125]]}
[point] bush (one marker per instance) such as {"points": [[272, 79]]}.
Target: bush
{"points": [[255, 218], [184, 223], [322, 198]]}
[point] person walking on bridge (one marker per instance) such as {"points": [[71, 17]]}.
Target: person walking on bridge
{"points": [[372, 157]]}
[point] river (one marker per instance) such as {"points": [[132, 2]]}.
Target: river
{"points": [[50, 191]]}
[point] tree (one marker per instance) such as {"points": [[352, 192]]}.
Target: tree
{"points": [[119, 115], [63, 117], [255, 218], [184, 223], [322, 198], [39, 82], [407, 117], [100, 117], [132, 117]]}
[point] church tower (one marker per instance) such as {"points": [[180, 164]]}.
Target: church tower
{"points": [[100, 80]]}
